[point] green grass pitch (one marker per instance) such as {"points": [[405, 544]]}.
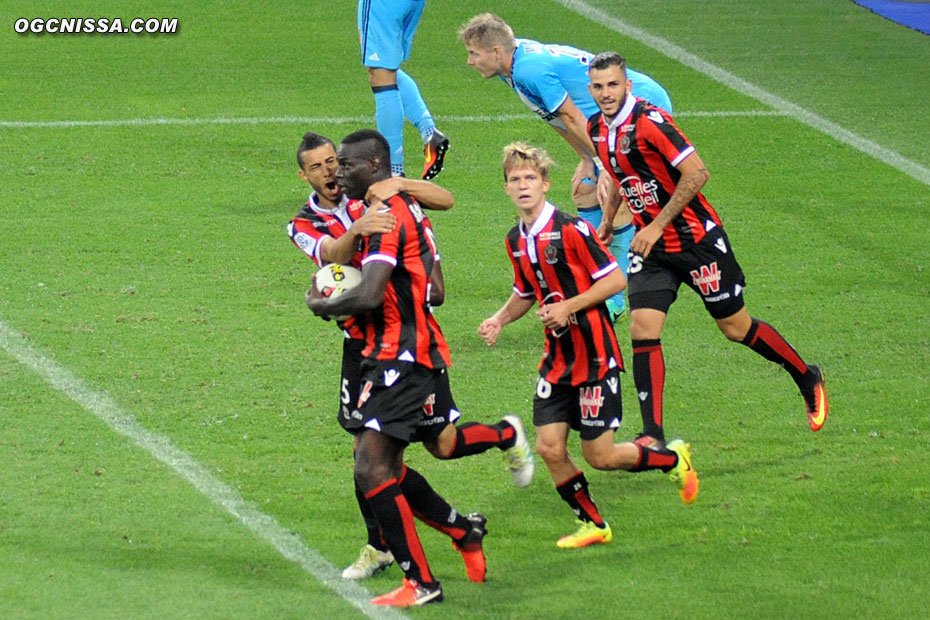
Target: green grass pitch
{"points": [[147, 261]]}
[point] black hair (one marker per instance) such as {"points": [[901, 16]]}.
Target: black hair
{"points": [[309, 142], [372, 146], [608, 59]]}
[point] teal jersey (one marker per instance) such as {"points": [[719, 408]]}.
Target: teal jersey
{"points": [[544, 75]]}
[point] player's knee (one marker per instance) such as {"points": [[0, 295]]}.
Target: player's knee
{"points": [[733, 333], [437, 449], [381, 77], [642, 330], [551, 452], [598, 457], [735, 327], [597, 461], [369, 474]]}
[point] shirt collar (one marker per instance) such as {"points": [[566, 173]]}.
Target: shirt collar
{"points": [[624, 112], [542, 219], [314, 201]]}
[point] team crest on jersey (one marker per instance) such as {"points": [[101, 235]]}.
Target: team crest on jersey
{"points": [[625, 144], [707, 278], [552, 254], [591, 401]]}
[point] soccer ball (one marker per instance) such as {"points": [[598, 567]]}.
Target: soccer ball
{"points": [[333, 280]]}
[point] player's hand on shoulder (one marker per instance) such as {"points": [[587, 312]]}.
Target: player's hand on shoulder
{"points": [[384, 189], [375, 221]]}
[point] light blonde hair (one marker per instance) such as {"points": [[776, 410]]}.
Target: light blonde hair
{"points": [[523, 155], [487, 30]]}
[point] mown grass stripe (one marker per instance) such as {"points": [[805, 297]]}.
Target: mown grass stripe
{"points": [[317, 120], [214, 489], [782, 106]]}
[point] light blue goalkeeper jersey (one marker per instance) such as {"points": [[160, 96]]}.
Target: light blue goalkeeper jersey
{"points": [[544, 74]]}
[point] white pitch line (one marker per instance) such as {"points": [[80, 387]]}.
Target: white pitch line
{"points": [[160, 446], [317, 120], [785, 107]]}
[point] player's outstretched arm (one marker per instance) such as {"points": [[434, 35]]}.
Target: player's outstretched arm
{"points": [[428, 194], [515, 307]]}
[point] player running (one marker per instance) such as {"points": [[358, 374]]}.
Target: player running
{"points": [[559, 263], [679, 239]]}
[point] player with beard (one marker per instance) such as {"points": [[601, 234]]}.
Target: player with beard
{"points": [[679, 239]]}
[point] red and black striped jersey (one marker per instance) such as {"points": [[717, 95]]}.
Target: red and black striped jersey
{"points": [[559, 257], [313, 224], [403, 327], [641, 149]]}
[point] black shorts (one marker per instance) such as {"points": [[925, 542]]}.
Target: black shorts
{"points": [[351, 380], [439, 410], [409, 402], [590, 408], [709, 268]]}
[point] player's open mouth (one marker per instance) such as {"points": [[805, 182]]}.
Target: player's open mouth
{"points": [[331, 186]]}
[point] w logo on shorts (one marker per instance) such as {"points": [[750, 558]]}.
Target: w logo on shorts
{"points": [[707, 279], [428, 405], [590, 400]]}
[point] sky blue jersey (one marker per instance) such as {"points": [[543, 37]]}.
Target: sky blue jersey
{"points": [[543, 75]]}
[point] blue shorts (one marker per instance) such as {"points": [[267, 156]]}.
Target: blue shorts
{"points": [[386, 29]]}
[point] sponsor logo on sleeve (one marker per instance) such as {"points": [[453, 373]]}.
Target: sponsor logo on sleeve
{"points": [[304, 241]]}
